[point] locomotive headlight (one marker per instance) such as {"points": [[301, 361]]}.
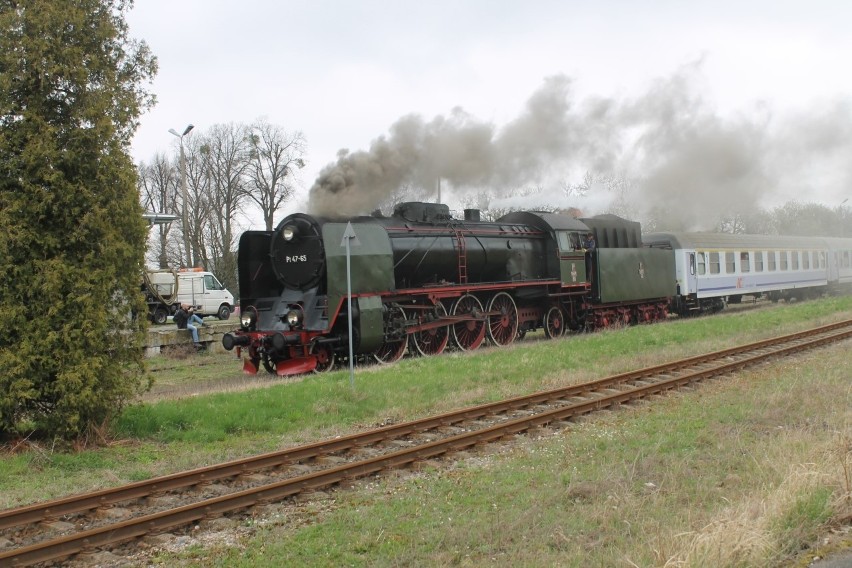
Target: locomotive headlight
{"points": [[248, 318], [288, 232], [294, 318]]}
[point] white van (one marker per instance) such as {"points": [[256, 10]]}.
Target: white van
{"points": [[166, 290], [205, 293]]}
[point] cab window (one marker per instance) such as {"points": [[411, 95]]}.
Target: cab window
{"points": [[210, 283], [568, 241]]}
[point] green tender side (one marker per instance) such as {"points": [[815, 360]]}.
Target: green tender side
{"points": [[627, 274], [371, 266]]}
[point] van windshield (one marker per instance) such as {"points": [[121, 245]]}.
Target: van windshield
{"points": [[210, 283]]}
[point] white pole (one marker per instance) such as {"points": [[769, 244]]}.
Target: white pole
{"points": [[348, 235]]}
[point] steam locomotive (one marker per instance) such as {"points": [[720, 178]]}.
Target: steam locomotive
{"points": [[422, 281]]}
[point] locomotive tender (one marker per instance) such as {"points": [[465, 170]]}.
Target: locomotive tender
{"points": [[422, 280]]}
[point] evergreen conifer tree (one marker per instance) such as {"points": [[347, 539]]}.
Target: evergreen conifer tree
{"points": [[72, 237]]}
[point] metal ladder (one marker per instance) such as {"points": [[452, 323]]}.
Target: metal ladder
{"points": [[462, 256]]}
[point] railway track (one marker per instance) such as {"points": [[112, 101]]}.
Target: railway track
{"points": [[86, 523]]}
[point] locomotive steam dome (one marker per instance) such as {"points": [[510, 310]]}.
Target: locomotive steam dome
{"points": [[297, 253]]}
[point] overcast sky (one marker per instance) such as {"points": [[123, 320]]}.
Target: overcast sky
{"points": [[342, 72]]}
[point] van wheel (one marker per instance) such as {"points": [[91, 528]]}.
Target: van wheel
{"points": [[160, 315], [224, 312]]}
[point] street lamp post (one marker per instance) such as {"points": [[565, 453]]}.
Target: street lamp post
{"points": [[183, 193]]}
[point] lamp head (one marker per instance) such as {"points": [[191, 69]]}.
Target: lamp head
{"points": [[186, 131]]}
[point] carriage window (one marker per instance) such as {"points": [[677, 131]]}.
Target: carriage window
{"points": [[758, 261], [806, 260], [745, 265], [772, 261], [783, 259], [730, 267], [794, 260], [714, 263], [846, 259], [821, 259], [702, 264]]}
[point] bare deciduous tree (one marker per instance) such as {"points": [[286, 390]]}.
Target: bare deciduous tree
{"points": [[159, 191], [199, 211], [227, 167], [224, 153], [274, 157], [808, 219]]}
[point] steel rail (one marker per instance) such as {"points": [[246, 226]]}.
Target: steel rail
{"points": [[212, 508], [52, 510]]}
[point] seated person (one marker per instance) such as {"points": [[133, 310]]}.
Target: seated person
{"points": [[184, 318]]}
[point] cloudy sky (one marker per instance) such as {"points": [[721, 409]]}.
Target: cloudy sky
{"points": [[767, 81]]}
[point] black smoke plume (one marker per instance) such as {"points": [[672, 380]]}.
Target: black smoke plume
{"points": [[680, 152]]}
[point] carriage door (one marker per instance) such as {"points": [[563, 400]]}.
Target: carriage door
{"points": [[695, 263]]}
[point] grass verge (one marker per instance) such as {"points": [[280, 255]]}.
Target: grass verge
{"points": [[746, 471], [170, 435]]}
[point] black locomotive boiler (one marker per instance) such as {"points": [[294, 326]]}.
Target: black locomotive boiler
{"points": [[422, 280]]}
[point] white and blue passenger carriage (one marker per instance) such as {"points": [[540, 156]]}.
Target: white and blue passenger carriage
{"points": [[839, 263], [713, 269]]}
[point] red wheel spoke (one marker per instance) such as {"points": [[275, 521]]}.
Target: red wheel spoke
{"points": [[432, 341], [469, 334], [392, 350], [503, 325], [554, 322], [325, 358]]}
